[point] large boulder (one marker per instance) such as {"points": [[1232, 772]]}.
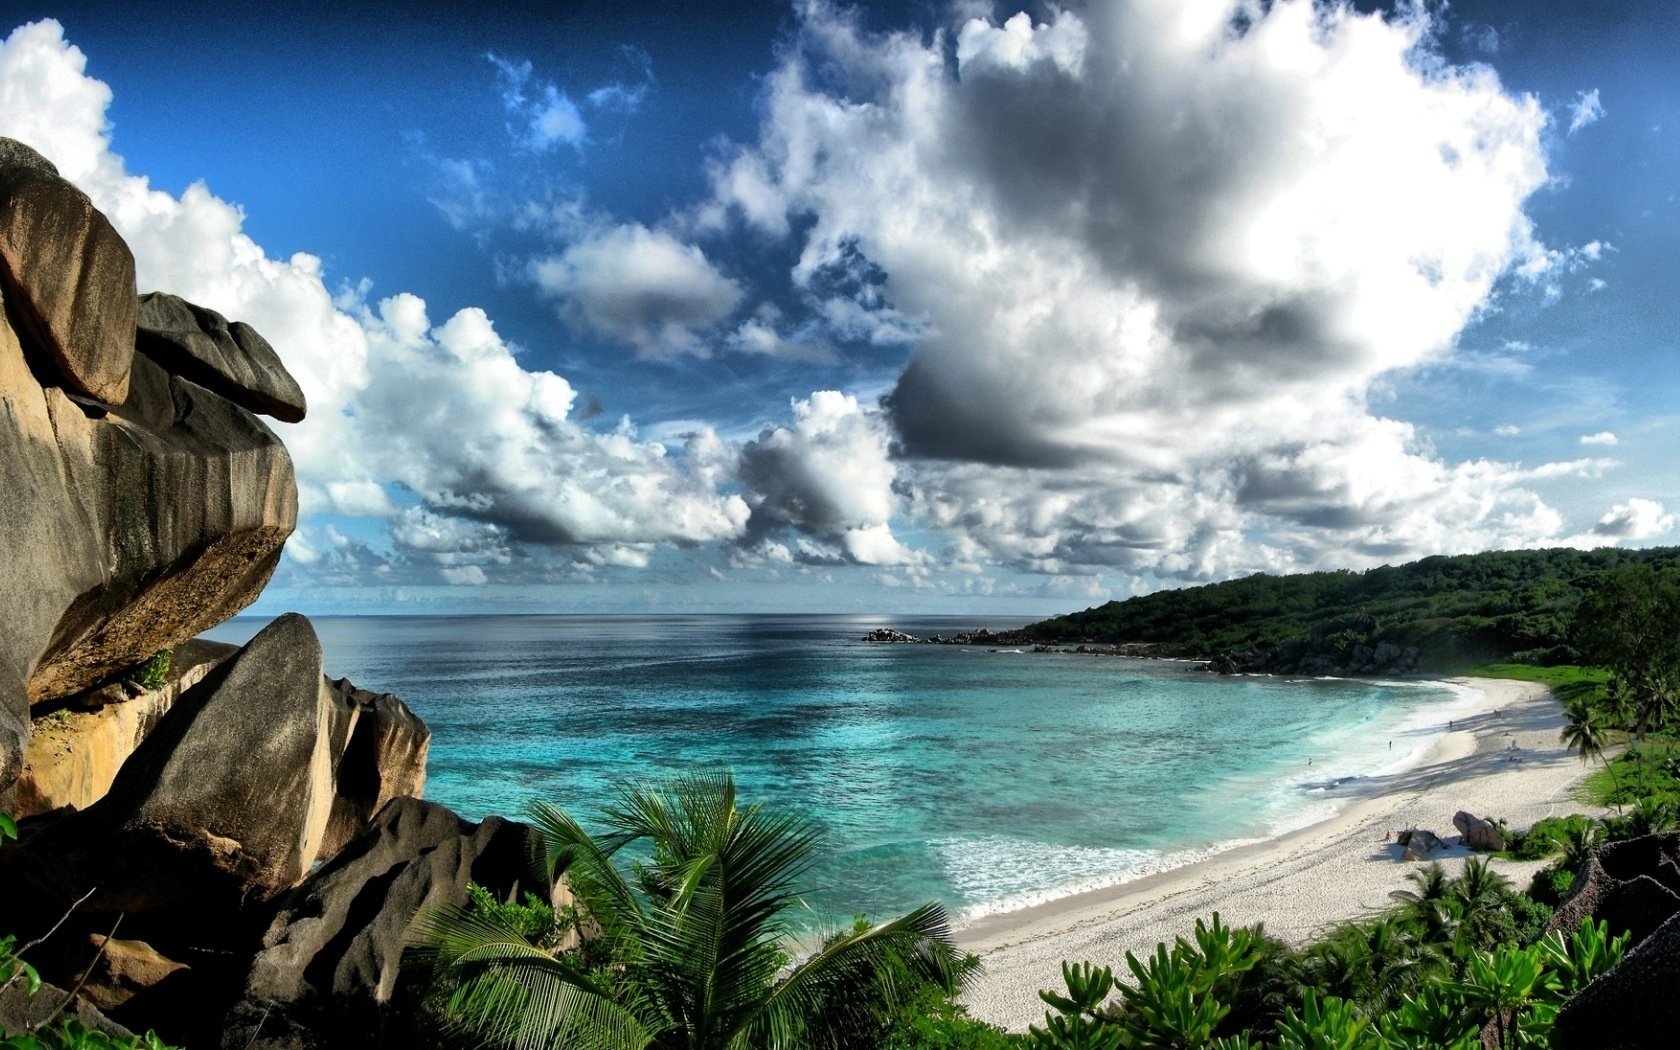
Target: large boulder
{"points": [[68, 277], [254, 773], [74, 752], [1478, 833], [230, 359], [223, 806], [379, 748], [327, 974], [130, 528]]}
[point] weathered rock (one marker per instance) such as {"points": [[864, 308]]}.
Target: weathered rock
{"points": [[1632, 1006], [143, 527], [68, 277], [380, 754], [21, 1012], [122, 970], [1417, 843], [327, 974], [231, 360], [1478, 833], [223, 806], [1633, 886], [74, 754], [14, 154]]}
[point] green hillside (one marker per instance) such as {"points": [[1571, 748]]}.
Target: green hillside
{"points": [[1460, 610]]}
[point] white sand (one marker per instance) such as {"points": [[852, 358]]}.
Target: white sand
{"points": [[1306, 880]]}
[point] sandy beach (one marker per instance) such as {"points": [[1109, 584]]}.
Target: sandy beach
{"points": [[1306, 880]]}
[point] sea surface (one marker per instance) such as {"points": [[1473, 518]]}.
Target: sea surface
{"points": [[991, 780]]}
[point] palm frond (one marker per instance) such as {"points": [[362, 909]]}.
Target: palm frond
{"points": [[920, 938]]}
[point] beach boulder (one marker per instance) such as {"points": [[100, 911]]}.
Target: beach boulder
{"points": [[1478, 833], [222, 806], [1417, 843], [149, 513], [379, 751], [73, 756]]}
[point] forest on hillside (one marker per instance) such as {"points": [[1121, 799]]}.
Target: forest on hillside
{"points": [[1459, 610]]}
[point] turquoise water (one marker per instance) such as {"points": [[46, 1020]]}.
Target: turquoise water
{"points": [[990, 780]]}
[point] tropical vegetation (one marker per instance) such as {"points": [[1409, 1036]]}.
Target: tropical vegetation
{"points": [[688, 897], [1460, 610]]}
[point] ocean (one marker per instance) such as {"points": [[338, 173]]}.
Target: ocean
{"points": [[991, 780]]}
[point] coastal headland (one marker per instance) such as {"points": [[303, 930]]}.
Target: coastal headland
{"points": [[1503, 760]]}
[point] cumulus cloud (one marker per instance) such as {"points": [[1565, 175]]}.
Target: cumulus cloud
{"points": [[641, 287], [827, 475], [1586, 109], [1637, 519], [1164, 252], [1603, 437], [495, 453]]}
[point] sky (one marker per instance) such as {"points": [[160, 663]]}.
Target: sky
{"points": [[953, 307]]}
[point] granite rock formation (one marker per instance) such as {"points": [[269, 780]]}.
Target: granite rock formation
{"points": [[230, 359], [327, 974], [137, 507], [74, 752], [248, 819], [1478, 833]]}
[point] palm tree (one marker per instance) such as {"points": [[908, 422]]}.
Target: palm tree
{"points": [[1478, 892], [1585, 735], [692, 935], [1431, 905]]}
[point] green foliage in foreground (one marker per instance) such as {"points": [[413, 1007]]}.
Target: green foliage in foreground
{"points": [[1181, 998], [1509, 606], [686, 946]]}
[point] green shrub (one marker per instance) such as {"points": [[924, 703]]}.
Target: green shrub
{"points": [[1546, 837], [155, 672]]}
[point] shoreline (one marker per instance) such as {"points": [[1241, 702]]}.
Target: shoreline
{"points": [[1306, 879]]}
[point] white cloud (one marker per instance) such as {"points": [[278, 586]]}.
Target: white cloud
{"points": [[1587, 109], [1506, 430], [1637, 519], [640, 287], [1603, 437], [494, 451], [828, 475], [1162, 263], [463, 575]]}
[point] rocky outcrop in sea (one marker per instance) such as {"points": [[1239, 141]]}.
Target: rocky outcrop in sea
{"points": [[233, 840]]}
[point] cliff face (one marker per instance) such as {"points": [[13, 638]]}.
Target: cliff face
{"points": [[136, 508], [143, 501]]}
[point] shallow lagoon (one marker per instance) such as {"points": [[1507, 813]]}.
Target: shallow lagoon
{"points": [[990, 780]]}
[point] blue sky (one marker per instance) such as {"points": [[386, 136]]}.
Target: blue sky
{"points": [[951, 307]]}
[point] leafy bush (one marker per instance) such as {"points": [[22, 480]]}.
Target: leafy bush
{"points": [[1552, 884], [155, 671]]}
